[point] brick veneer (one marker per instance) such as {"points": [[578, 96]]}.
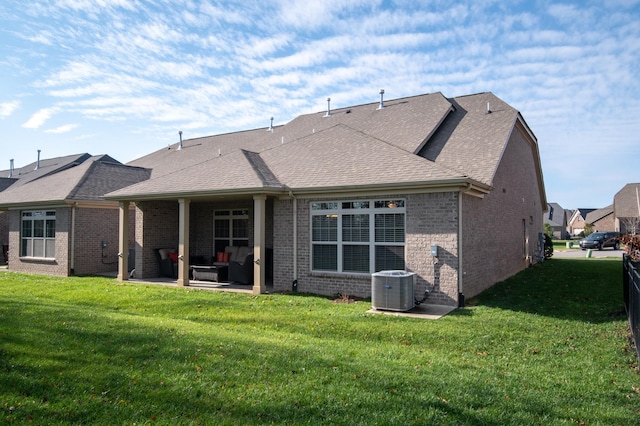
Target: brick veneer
{"points": [[500, 231], [430, 219], [92, 226]]}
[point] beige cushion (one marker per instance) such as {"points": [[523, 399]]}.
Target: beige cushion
{"points": [[164, 253]]}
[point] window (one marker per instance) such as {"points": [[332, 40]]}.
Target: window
{"points": [[230, 228], [362, 236], [38, 236]]}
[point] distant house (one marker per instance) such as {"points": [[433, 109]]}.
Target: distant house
{"points": [[557, 218], [448, 188], [578, 220], [54, 219], [626, 205], [602, 219]]}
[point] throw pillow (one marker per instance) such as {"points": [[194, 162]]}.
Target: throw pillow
{"points": [[220, 256], [226, 257], [173, 257]]}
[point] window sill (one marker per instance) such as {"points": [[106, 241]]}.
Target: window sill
{"points": [[323, 274], [37, 259]]}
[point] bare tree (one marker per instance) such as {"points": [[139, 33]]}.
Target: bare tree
{"points": [[631, 224]]}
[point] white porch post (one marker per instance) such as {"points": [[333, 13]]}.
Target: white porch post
{"points": [[123, 241], [259, 266], [183, 242]]}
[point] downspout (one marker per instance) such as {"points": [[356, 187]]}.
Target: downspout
{"points": [[72, 250], [294, 283], [460, 263]]}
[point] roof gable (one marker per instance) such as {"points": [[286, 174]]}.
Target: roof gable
{"points": [[627, 201], [88, 180], [342, 156], [472, 140]]}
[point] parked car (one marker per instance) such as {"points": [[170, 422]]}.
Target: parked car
{"points": [[600, 240]]}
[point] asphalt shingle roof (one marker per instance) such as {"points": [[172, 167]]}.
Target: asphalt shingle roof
{"points": [[85, 178], [415, 139], [627, 201]]}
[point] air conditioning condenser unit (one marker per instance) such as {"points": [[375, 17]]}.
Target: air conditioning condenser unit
{"points": [[393, 290]]}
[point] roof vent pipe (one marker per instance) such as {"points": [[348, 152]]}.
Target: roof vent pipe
{"points": [[270, 129], [488, 108], [11, 168], [180, 133], [38, 162], [381, 106], [328, 107]]}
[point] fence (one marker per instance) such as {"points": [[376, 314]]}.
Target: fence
{"points": [[631, 294]]}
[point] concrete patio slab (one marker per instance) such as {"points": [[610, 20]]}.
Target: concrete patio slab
{"points": [[433, 312]]}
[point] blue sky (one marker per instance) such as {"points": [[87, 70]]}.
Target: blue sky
{"points": [[123, 77]]}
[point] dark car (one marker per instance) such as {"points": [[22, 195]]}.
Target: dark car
{"points": [[600, 240]]}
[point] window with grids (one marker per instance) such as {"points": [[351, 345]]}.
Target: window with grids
{"points": [[230, 228], [362, 236], [38, 234]]}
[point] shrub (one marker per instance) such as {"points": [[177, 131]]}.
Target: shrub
{"points": [[548, 246], [632, 246]]}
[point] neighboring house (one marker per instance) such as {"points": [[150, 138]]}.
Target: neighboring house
{"points": [[602, 219], [58, 223], [557, 217], [626, 205], [338, 195], [578, 220]]}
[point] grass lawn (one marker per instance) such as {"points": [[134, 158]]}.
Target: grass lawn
{"points": [[549, 346]]}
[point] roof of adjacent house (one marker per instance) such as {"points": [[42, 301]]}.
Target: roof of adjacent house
{"points": [[80, 177], [39, 169], [598, 214], [580, 213], [627, 201], [555, 216], [420, 140]]}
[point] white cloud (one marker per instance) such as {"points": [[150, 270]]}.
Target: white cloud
{"points": [[8, 108], [39, 118], [62, 129]]}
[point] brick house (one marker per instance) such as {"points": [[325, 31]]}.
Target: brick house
{"points": [[331, 197], [602, 219], [626, 205], [578, 220], [54, 219]]}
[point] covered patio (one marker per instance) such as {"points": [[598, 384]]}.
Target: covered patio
{"points": [[197, 228]]}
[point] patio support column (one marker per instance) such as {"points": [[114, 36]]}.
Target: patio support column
{"points": [[123, 241], [259, 251], [183, 242]]}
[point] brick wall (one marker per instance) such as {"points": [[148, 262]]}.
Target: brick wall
{"points": [[430, 219], [605, 224], [156, 227], [500, 231], [92, 227]]}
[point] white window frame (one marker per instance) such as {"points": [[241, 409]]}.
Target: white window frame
{"points": [[337, 209], [28, 243]]}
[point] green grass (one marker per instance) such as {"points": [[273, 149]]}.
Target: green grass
{"points": [[549, 346]]}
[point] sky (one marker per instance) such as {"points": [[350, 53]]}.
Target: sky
{"points": [[122, 77]]}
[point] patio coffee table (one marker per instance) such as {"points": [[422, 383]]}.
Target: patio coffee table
{"points": [[209, 273]]}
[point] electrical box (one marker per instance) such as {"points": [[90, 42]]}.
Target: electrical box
{"points": [[434, 250]]}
